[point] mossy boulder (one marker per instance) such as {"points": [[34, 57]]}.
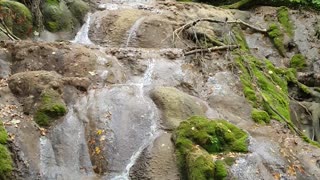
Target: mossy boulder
{"points": [[260, 116], [50, 108], [17, 18], [57, 16], [198, 137], [298, 62], [64, 15], [6, 163], [176, 106], [79, 9]]}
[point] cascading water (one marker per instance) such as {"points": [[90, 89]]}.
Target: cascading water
{"points": [[133, 30], [145, 81], [82, 36]]}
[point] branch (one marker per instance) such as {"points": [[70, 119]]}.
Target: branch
{"points": [[7, 31], [193, 23], [215, 48]]}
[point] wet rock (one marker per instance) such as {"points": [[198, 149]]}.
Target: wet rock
{"points": [[67, 60], [176, 106], [110, 28], [157, 160], [34, 82]]}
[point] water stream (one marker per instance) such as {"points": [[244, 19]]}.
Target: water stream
{"points": [[82, 36], [133, 30]]}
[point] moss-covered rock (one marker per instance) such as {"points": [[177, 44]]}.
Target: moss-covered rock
{"points": [[220, 170], [198, 136], [79, 9], [176, 105], [57, 16], [260, 116], [6, 164], [17, 18], [50, 108], [298, 62], [199, 164], [277, 37]]}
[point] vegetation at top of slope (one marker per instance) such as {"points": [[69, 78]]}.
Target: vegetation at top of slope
{"points": [[196, 138], [242, 4]]}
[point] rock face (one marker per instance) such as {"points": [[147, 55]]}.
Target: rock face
{"points": [[176, 106]]}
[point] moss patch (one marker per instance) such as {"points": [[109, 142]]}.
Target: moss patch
{"points": [[260, 116], [51, 107], [298, 62], [277, 38], [284, 20], [17, 18], [5, 157], [211, 137]]}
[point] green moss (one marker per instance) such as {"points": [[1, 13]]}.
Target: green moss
{"points": [[3, 134], [211, 136], [229, 160], [260, 116], [51, 107], [284, 20], [298, 62], [270, 86], [220, 170], [79, 9], [199, 165], [6, 164], [277, 38], [17, 18]]}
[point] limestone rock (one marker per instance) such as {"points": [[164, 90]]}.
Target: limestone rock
{"points": [[176, 106]]}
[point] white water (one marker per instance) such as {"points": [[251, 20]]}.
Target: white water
{"points": [[133, 30], [82, 36], [147, 79]]}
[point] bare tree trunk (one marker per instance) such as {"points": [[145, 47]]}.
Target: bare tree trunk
{"points": [[37, 15]]}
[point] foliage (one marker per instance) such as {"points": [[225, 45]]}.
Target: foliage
{"points": [[51, 107], [16, 17], [198, 136]]}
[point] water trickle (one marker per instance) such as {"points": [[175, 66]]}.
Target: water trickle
{"points": [[82, 36], [152, 135], [133, 30]]}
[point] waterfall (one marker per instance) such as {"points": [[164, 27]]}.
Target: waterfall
{"points": [[82, 35], [133, 30]]}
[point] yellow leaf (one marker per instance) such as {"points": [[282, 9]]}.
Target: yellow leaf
{"points": [[99, 132], [98, 150]]}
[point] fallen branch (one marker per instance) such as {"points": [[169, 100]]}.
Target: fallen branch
{"points": [[208, 50], [193, 23], [7, 32]]}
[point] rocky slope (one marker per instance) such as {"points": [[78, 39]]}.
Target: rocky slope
{"points": [[108, 105]]}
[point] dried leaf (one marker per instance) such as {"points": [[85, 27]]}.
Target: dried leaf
{"points": [[97, 150]]}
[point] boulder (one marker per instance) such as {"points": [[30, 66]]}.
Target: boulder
{"points": [[176, 106]]}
